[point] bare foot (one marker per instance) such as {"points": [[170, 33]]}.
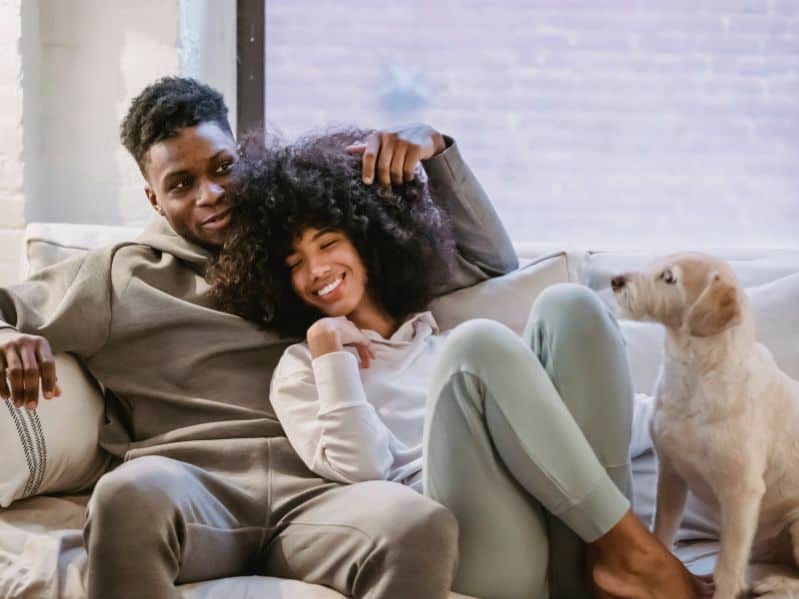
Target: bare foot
{"points": [[630, 563]]}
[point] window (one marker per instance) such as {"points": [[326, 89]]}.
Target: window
{"points": [[601, 124]]}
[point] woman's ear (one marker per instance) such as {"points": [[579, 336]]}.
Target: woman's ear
{"points": [[717, 309]]}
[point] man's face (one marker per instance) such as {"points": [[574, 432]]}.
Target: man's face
{"points": [[186, 179]]}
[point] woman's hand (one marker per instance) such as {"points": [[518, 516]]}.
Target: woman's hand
{"points": [[328, 335]]}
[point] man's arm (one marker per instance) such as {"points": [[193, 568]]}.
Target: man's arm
{"points": [[483, 248], [65, 307]]}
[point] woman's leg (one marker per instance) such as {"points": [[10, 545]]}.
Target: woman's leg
{"points": [[500, 445], [581, 347]]}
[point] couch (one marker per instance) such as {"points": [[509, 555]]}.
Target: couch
{"points": [[50, 458]]}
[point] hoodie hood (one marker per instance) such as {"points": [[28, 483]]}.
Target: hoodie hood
{"points": [[160, 236]]}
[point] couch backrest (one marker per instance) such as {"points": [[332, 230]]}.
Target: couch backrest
{"points": [[770, 275]]}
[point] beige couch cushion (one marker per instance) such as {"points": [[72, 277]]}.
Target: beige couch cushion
{"points": [[506, 299], [48, 243], [53, 449]]}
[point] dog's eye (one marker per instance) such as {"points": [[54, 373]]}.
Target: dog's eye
{"points": [[668, 277]]}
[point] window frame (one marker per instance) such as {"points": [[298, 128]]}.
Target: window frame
{"points": [[250, 64]]}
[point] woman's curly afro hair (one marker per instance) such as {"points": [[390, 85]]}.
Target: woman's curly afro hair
{"points": [[402, 237]]}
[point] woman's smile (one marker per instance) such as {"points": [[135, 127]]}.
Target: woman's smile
{"points": [[332, 291]]}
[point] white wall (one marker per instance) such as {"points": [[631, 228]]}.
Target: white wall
{"points": [[68, 71], [12, 199], [95, 56], [597, 123]]}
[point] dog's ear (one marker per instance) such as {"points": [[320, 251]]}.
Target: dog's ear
{"points": [[716, 309]]}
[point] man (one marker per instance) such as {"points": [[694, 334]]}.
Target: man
{"points": [[208, 486]]}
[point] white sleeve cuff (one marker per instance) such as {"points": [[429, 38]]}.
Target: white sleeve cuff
{"points": [[338, 381]]}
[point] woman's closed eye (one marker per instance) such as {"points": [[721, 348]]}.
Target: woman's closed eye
{"points": [[328, 243], [292, 264]]}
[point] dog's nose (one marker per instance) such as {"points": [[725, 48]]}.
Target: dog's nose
{"points": [[618, 282]]}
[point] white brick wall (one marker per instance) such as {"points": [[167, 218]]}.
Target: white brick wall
{"points": [[11, 139], [96, 56], [11, 101], [68, 70], [599, 122]]}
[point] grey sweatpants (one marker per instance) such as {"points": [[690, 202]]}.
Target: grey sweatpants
{"points": [[526, 442], [155, 522]]}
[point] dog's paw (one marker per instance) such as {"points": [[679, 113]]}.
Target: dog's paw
{"points": [[777, 587]]}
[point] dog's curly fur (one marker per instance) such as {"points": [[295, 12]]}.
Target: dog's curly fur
{"points": [[726, 421]]}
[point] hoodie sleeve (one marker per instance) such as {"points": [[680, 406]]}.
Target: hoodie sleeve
{"points": [[483, 248], [69, 303], [323, 408]]}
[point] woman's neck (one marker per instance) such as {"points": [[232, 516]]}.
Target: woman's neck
{"points": [[369, 315]]}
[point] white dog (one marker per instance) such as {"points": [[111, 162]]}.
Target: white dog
{"points": [[726, 421]]}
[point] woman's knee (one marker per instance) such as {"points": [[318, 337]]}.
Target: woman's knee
{"points": [[573, 312], [475, 340]]}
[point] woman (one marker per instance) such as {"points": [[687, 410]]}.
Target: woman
{"points": [[473, 418]]}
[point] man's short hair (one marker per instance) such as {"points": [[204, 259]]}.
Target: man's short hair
{"points": [[165, 107]]}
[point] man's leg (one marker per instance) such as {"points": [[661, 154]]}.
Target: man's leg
{"points": [[374, 540], [500, 444], [581, 347], [155, 522]]}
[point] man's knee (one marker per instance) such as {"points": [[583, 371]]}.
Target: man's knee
{"points": [[417, 535], [135, 496], [432, 527]]}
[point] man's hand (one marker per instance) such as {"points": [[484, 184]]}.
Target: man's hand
{"points": [[25, 361], [328, 335], [395, 153]]}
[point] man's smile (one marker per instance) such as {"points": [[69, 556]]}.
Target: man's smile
{"points": [[218, 220]]}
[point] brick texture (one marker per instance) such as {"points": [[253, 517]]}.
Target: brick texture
{"points": [[670, 123], [12, 203], [10, 111]]}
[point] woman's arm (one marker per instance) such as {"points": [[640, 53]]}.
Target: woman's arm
{"points": [[323, 408]]}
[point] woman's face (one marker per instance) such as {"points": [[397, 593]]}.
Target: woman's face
{"points": [[327, 272]]}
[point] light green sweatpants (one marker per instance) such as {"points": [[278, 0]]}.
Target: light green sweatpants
{"points": [[526, 442]]}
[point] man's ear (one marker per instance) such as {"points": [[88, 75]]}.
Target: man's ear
{"points": [[716, 309], [148, 191]]}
